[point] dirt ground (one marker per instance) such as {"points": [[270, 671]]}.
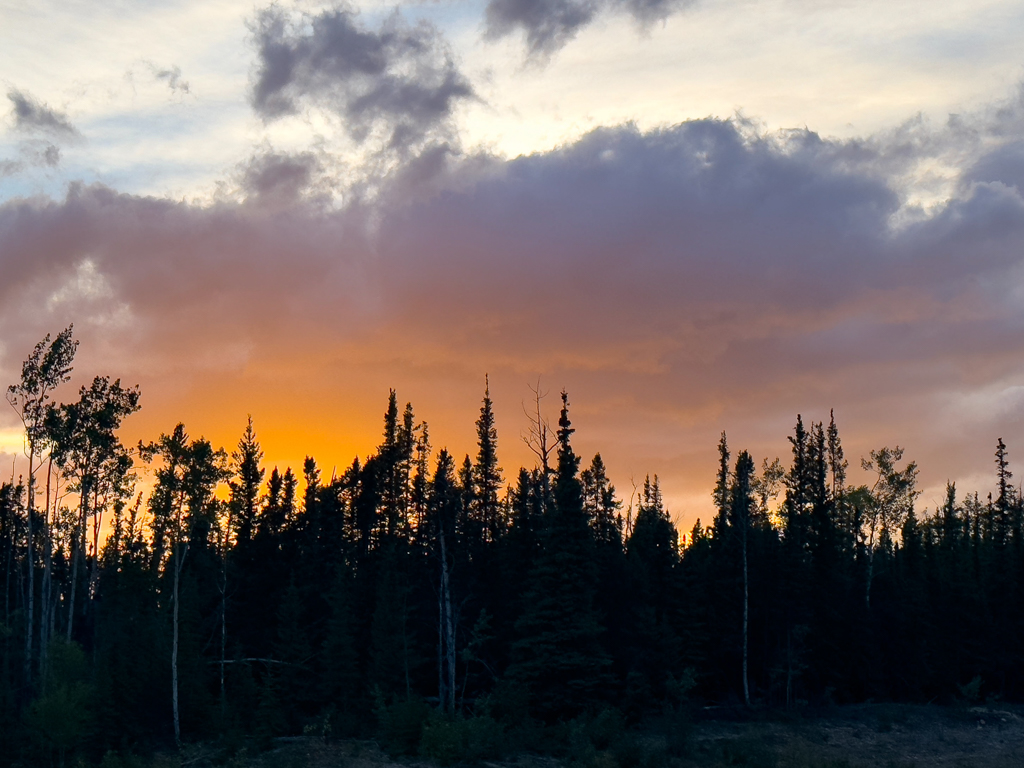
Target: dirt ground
{"points": [[887, 736], [882, 735]]}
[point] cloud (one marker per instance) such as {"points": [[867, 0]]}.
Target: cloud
{"points": [[10, 168], [32, 116], [678, 281], [278, 179], [172, 77], [647, 12], [400, 80], [548, 25]]}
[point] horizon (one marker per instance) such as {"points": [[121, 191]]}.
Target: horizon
{"points": [[696, 217]]}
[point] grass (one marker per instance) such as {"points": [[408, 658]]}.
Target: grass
{"points": [[886, 736]]}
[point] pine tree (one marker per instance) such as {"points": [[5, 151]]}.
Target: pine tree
{"points": [[1004, 501], [340, 659], [721, 492], [742, 504], [652, 556], [239, 528], [600, 504], [487, 479], [293, 675], [444, 505], [558, 656], [245, 489]]}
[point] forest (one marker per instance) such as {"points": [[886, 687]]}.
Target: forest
{"points": [[429, 601]]}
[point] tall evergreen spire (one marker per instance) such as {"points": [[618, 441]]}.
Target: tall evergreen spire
{"points": [[487, 477]]}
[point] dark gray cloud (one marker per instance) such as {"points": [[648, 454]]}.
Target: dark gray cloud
{"points": [[549, 24], [647, 12], [172, 77], [50, 155], [401, 79], [32, 116], [277, 179], [35, 153]]}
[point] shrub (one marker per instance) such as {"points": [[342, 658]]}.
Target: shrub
{"points": [[456, 740], [401, 725]]}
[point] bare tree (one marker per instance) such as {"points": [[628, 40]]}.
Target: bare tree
{"points": [[538, 439]]}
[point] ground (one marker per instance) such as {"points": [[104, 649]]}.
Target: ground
{"points": [[889, 736]]}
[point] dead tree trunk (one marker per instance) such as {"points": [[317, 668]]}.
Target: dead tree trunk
{"points": [[30, 559], [179, 560], [746, 615], [449, 628]]}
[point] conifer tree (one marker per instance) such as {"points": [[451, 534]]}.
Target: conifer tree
{"points": [[444, 505], [600, 504], [487, 479], [721, 492], [245, 488], [558, 656], [652, 551], [339, 652], [1004, 500], [742, 503]]}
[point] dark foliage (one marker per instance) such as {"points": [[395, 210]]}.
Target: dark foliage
{"points": [[420, 600]]}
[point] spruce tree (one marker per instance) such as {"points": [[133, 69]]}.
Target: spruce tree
{"points": [[487, 479], [741, 509], [340, 659], [652, 554], [245, 488], [558, 656]]}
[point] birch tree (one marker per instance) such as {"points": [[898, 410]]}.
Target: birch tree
{"points": [[182, 498], [88, 452], [890, 501], [47, 367]]}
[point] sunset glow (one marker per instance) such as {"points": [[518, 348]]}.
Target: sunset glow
{"points": [[693, 216]]}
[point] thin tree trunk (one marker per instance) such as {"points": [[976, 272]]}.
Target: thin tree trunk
{"points": [[871, 568], [789, 668], [44, 612], [223, 645], [77, 543], [224, 612], [97, 523], [746, 617], [52, 619], [174, 647], [405, 646], [179, 561], [449, 625], [442, 697], [7, 581], [31, 570]]}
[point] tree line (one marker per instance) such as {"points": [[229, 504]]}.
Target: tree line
{"points": [[414, 588]]}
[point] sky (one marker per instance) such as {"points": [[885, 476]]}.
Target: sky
{"points": [[695, 216]]}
